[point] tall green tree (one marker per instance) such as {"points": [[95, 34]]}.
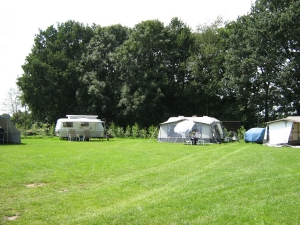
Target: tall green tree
{"points": [[152, 68], [206, 67], [180, 46], [100, 92], [287, 32], [263, 62], [140, 65], [255, 61], [50, 81]]}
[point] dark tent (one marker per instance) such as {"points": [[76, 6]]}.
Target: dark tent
{"points": [[255, 135], [10, 133]]}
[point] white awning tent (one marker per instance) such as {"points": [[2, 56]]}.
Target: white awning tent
{"points": [[206, 128], [284, 131], [11, 133]]}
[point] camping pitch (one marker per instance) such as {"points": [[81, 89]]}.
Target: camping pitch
{"points": [[180, 129]]}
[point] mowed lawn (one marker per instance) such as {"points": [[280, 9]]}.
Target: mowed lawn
{"points": [[141, 181]]}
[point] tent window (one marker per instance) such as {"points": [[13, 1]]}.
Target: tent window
{"points": [[67, 124], [196, 128], [84, 124], [170, 131]]}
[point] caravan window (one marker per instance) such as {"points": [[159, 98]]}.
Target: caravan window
{"points": [[84, 124], [67, 124]]}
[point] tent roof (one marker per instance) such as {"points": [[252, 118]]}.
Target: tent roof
{"points": [[8, 125], [204, 119], [256, 130], [289, 118], [12, 134]]}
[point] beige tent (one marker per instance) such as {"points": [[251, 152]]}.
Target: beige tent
{"points": [[284, 131], [11, 133]]}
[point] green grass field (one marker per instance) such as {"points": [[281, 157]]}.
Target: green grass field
{"points": [[141, 181]]}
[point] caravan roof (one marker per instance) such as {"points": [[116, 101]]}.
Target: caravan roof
{"points": [[81, 118]]}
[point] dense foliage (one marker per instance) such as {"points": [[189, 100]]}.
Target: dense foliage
{"points": [[240, 70]]}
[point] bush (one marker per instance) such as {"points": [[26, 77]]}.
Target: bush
{"points": [[112, 129], [120, 132], [143, 133], [241, 132], [135, 130], [128, 131], [153, 131]]}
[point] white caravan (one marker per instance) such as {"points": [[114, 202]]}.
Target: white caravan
{"points": [[80, 126]]}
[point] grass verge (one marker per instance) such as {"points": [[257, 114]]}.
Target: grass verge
{"points": [[139, 181]]}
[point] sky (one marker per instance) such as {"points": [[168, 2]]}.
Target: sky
{"points": [[20, 21]]}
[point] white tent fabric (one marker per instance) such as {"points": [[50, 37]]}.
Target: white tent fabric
{"points": [[184, 127], [279, 132], [12, 134], [285, 131]]}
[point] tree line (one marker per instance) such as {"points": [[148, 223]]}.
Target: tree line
{"points": [[245, 70]]}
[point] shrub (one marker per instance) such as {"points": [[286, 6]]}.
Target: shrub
{"points": [[128, 131], [241, 132], [120, 132], [112, 129], [153, 131], [143, 133]]}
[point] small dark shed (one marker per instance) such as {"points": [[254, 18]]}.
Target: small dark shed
{"points": [[232, 125]]}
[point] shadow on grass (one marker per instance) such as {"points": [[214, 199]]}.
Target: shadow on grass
{"points": [[5, 144]]}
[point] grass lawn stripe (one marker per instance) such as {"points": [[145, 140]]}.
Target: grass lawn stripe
{"points": [[128, 181]]}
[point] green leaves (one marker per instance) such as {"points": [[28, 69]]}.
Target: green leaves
{"points": [[150, 72], [258, 57], [100, 80], [50, 80]]}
